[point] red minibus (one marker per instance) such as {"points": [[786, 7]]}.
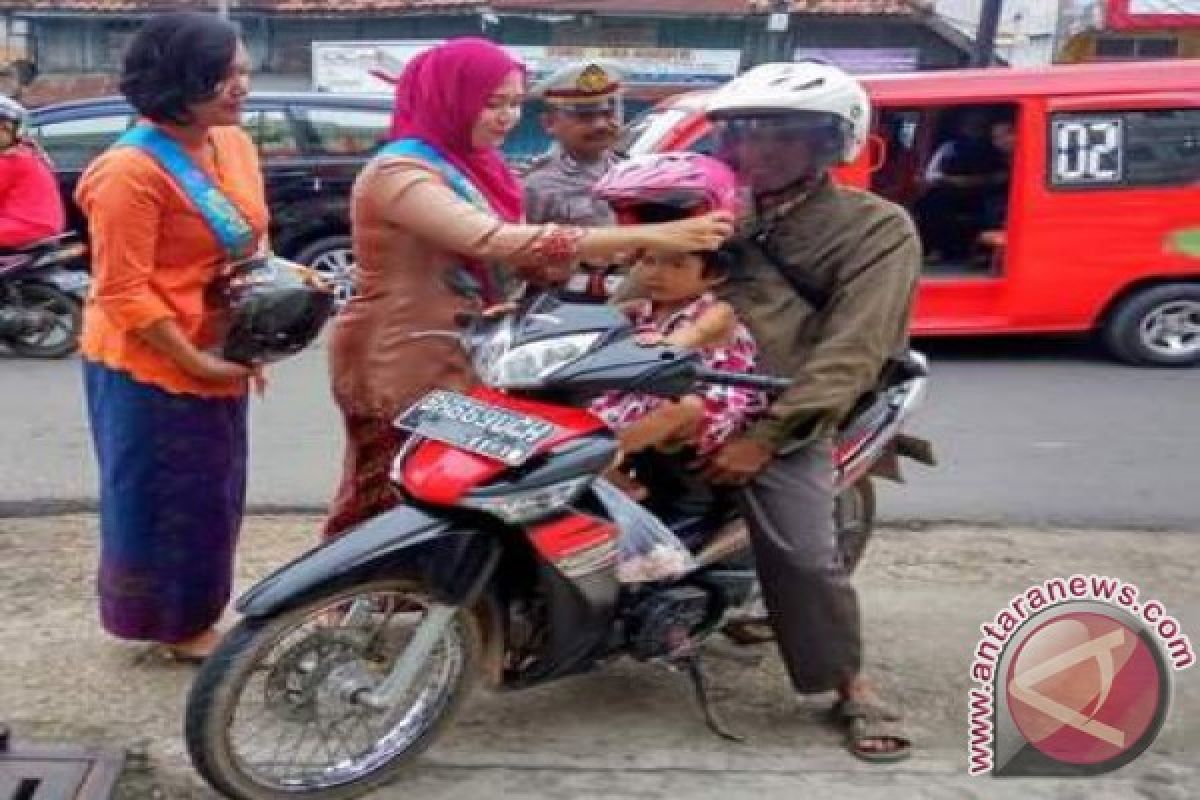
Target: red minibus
{"points": [[1096, 224]]}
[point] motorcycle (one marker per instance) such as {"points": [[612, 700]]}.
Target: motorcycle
{"points": [[41, 297], [868, 446], [505, 559]]}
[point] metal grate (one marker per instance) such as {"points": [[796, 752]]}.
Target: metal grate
{"points": [[56, 772]]}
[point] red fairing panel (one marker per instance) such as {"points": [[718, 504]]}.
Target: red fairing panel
{"points": [[440, 474], [576, 544]]}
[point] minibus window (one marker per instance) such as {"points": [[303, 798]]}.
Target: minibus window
{"points": [[951, 166], [1129, 149]]}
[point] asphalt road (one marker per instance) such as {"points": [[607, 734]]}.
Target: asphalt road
{"points": [[1043, 433]]}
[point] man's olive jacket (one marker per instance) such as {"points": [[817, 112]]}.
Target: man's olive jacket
{"points": [[826, 284]]}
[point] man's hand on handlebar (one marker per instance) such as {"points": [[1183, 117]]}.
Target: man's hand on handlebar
{"points": [[738, 462]]}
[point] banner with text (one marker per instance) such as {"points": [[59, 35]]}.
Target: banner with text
{"points": [[864, 60], [1135, 14], [365, 66]]}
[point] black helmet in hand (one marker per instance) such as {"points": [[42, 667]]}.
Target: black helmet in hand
{"points": [[273, 308]]}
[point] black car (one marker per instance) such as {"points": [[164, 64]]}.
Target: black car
{"points": [[312, 145]]}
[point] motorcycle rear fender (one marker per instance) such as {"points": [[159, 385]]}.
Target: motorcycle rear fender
{"points": [[453, 560], [916, 448], [904, 445]]}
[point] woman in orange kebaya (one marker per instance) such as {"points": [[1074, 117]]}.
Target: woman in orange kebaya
{"points": [[174, 201]]}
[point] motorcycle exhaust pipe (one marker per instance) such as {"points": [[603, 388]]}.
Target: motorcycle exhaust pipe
{"points": [[731, 540]]}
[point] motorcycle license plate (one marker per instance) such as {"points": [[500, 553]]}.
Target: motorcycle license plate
{"points": [[466, 423]]}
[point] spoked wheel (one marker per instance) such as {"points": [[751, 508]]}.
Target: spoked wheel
{"points": [[310, 705], [63, 319], [854, 521]]}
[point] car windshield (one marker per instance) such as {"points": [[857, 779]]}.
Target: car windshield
{"points": [[646, 132]]}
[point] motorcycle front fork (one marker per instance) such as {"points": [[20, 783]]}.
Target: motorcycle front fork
{"points": [[407, 667]]}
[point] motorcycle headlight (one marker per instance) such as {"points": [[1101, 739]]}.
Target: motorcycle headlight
{"points": [[526, 366], [521, 507]]}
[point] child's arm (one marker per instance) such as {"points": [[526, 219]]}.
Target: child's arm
{"points": [[630, 307], [714, 327]]}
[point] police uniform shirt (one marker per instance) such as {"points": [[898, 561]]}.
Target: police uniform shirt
{"points": [[558, 188]]}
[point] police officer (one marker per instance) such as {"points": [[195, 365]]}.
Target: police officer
{"points": [[581, 110], [582, 113]]}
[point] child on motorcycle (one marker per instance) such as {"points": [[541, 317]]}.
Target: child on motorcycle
{"points": [[679, 307]]}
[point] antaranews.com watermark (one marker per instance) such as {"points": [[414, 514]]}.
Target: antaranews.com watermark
{"points": [[1073, 677]]}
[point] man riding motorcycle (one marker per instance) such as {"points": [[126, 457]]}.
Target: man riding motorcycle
{"points": [[825, 283], [30, 206]]}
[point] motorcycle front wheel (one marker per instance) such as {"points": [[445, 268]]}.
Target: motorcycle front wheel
{"points": [[60, 337], [278, 711]]}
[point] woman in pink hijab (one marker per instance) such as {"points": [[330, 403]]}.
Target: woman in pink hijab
{"points": [[438, 229]]}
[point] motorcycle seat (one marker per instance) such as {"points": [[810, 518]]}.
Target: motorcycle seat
{"points": [[40, 244]]}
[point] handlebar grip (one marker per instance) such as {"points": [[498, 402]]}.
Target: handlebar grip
{"points": [[763, 382]]}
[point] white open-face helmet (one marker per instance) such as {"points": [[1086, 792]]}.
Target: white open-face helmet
{"points": [[13, 112], [798, 90]]}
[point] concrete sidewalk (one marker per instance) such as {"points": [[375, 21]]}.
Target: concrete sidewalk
{"points": [[631, 730]]}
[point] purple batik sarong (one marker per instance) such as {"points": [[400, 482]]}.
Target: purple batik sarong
{"points": [[172, 491]]}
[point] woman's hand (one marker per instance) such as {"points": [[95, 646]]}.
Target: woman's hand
{"points": [[554, 274], [258, 380], [165, 336], [218, 370], [208, 367], [705, 232]]}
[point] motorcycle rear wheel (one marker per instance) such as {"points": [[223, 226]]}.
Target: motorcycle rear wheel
{"points": [[853, 524], [63, 338], [854, 521], [317, 648]]}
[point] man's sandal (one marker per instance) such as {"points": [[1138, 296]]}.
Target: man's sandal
{"points": [[749, 631], [867, 721], [162, 655]]}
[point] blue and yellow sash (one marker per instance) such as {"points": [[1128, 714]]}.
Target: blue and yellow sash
{"points": [[227, 224], [473, 280], [427, 153]]}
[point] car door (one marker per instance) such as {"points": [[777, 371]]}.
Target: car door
{"points": [[288, 173], [339, 141]]}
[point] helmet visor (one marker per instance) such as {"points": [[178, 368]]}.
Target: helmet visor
{"points": [[772, 152], [648, 212]]}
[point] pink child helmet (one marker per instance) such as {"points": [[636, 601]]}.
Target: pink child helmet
{"points": [[665, 186]]}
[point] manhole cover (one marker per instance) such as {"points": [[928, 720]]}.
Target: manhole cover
{"points": [[56, 772]]}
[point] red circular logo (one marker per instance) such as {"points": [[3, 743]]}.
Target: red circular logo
{"points": [[1085, 688]]}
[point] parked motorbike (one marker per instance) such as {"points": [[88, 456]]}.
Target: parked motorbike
{"points": [[507, 559], [869, 445], [41, 297]]}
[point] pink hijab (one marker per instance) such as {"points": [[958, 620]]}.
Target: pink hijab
{"points": [[439, 96]]}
